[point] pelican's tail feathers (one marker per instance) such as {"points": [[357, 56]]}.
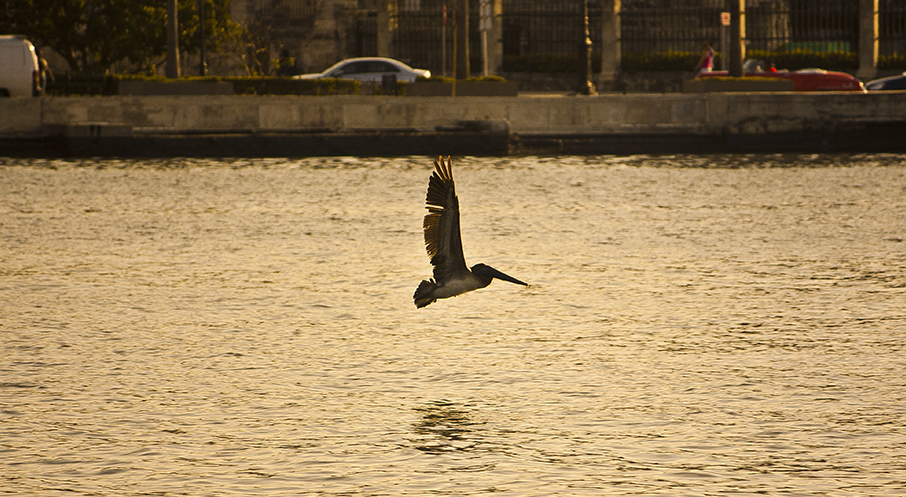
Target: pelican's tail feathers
{"points": [[424, 293]]}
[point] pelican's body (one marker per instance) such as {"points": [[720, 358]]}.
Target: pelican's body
{"points": [[444, 244]]}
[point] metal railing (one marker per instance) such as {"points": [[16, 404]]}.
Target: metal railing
{"points": [[553, 28], [772, 25]]}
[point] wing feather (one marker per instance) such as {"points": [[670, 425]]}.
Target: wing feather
{"points": [[442, 236]]}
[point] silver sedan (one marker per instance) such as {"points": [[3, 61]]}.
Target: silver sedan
{"points": [[369, 69]]}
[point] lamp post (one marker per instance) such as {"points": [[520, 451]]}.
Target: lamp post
{"points": [[586, 87]]}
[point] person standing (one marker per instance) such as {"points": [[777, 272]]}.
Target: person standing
{"points": [[706, 63], [43, 72]]}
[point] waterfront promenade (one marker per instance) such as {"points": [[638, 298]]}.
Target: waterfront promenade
{"points": [[211, 126]]}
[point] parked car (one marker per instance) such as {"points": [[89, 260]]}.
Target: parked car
{"points": [[803, 80], [369, 70], [19, 75], [891, 83]]}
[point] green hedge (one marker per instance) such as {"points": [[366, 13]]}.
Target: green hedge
{"points": [[90, 84], [289, 86], [444, 79], [896, 62]]}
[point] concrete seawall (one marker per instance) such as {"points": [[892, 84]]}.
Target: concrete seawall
{"points": [[373, 125]]}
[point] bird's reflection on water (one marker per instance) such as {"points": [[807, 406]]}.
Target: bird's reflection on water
{"points": [[445, 426]]}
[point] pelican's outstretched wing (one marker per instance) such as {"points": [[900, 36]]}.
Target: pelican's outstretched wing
{"points": [[442, 237]]}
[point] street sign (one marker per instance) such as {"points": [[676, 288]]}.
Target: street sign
{"points": [[724, 18]]}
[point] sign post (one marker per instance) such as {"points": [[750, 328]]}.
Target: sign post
{"points": [[725, 41]]}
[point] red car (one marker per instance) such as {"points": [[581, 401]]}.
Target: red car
{"points": [[803, 80]]}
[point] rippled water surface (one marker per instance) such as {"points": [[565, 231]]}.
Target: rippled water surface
{"points": [[717, 325]]}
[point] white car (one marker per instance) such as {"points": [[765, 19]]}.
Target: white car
{"points": [[18, 67], [369, 70]]}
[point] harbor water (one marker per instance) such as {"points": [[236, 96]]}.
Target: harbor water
{"points": [[693, 325]]}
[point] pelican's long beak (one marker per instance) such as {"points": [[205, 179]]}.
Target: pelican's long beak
{"points": [[500, 276]]}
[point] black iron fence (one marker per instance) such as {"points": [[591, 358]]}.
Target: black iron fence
{"points": [[892, 28], [549, 33], [419, 39], [423, 40], [771, 25], [550, 27], [647, 27]]}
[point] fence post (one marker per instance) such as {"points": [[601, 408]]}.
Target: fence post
{"points": [[868, 39], [484, 25], [202, 66], [386, 22], [443, 40], [611, 46], [172, 69], [462, 52], [586, 86], [737, 37], [495, 43]]}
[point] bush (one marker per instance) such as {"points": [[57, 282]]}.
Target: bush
{"points": [[895, 62], [93, 84], [444, 79], [289, 86]]}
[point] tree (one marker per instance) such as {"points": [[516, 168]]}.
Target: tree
{"points": [[93, 35]]}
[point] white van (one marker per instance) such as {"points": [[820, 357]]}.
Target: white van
{"points": [[18, 67]]}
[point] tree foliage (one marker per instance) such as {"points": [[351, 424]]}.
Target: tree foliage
{"points": [[93, 35]]}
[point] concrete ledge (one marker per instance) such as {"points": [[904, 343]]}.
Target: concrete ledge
{"points": [[226, 125]]}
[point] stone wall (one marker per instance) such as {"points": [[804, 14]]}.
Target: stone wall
{"points": [[707, 117], [556, 113]]}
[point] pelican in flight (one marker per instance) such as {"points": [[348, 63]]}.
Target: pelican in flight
{"points": [[444, 244]]}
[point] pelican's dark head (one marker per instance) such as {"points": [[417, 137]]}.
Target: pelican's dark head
{"points": [[487, 273]]}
